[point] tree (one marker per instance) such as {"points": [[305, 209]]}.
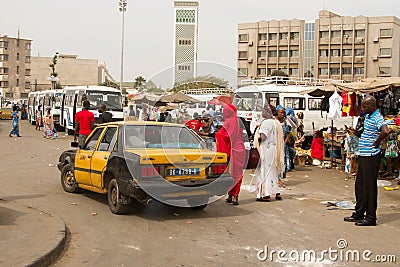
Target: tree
{"points": [[279, 73], [206, 81], [139, 82], [110, 84]]}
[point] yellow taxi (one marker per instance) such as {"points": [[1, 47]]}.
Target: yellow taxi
{"points": [[146, 160], [5, 113]]}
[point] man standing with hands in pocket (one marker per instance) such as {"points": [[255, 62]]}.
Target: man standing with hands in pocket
{"points": [[84, 124], [366, 188]]}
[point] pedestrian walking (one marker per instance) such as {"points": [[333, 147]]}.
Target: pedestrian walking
{"points": [[366, 188], [48, 124], [271, 164], [15, 122], [104, 115], [39, 122], [84, 124]]}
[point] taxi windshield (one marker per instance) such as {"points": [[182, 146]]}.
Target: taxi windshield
{"points": [[161, 136]]}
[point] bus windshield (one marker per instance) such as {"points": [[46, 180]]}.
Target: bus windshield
{"points": [[245, 101], [112, 100]]}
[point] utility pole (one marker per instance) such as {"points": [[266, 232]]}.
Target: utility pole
{"points": [[122, 8]]}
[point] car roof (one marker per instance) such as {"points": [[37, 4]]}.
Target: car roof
{"points": [[121, 123]]}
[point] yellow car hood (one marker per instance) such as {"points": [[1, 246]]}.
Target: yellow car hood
{"points": [[178, 156]]}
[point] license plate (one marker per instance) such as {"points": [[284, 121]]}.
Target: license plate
{"points": [[183, 172]]}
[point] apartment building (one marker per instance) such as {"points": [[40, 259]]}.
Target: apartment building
{"points": [[15, 66], [331, 47], [72, 71]]}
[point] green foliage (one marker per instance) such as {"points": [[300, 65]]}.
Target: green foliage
{"points": [[279, 73], [110, 84], [139, 82], [206, 81]]}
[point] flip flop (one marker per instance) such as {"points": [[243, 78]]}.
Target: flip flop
{"points": [[387, 188]]}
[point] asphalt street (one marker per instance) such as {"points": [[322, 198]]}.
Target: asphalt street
{"points": [[220, 235]]}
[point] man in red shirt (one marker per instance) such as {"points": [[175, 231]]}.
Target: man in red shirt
{"points": [[84, 124], [194, 124]]}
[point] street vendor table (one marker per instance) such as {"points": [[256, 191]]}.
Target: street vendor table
{"points": [[337, 147]]}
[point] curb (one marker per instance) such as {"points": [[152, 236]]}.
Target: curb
{"points": [[53, 254]]}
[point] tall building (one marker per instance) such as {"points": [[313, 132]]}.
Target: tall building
{"points": [[15, 66], [72, 71], [186, 39], [331, 47]]}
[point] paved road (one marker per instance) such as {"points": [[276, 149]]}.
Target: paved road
{"points": [[220, 235]]}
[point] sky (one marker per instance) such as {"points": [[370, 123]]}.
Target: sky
{"points": [[91, 29]]}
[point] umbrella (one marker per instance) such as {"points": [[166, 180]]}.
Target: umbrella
{"points": [[176, 98], [145, 98], [221, 100]]}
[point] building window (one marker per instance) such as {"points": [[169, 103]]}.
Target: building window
{"points": [[359, 52], [3, 84], [27, 59], [347, 34], [3, 70], [384, 71], [385, 52], [262, 36], [347, 52], [335, 71], [27, 85], [262, 54], [272, 53], [323, 52], [17, 82], [242, 54], [24, 95], [185, 16], [184, 42], [17, 69], [243, 37], [358, 71], [184, 67], [283, 36], [242, 72], [360, 33], [324, 34], [270, 70], [17, 56], [262, 71], [294, 53], [323, 71], [4, 57], [294, 35], [28, 46], [385, 33], [346, 71], [272, 36], [283, 53], [4, 44], [335, 34], [297, 103], [294, 72], [314, 103], [27, 72], [335, 53]]}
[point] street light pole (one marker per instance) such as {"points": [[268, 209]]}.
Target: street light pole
{"points": [[122, 8]]}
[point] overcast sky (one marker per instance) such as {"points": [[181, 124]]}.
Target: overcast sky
{"points": [[91, 29]]}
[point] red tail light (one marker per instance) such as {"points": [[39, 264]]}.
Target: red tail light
{"points": [[219, 169], [150, 171]]}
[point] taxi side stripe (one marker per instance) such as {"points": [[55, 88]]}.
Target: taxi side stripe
{"points": [[88, 170]]}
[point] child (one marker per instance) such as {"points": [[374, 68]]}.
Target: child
{"points": [[38, 119]]}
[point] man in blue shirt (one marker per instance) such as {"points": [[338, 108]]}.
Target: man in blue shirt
{"points": [[366, 189], [15, 122]]}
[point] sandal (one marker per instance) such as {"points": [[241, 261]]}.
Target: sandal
{"points": [[229, 199], [281, 184], [264, 199], [278, 197], [235, 200]]}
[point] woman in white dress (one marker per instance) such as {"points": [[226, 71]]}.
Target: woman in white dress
{"points": [[271, 163]]}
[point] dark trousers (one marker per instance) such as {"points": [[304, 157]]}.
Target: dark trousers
{"points": [[366, 188]]}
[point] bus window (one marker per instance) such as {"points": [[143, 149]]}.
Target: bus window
{"points": [[202, 105], [297, 103], [314, 103], [272, 99]]}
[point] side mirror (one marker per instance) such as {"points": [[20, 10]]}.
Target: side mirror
{"points": [[74, 144]]}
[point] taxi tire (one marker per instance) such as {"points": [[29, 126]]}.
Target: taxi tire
{"points": [[68, 170], [113, 195]]}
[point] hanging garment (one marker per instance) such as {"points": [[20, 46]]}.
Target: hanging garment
{"points": [[345, 103], [335, 106]]}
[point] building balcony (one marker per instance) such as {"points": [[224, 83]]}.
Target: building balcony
{"points": [[335, 60], [347, 59], [324, 41]]}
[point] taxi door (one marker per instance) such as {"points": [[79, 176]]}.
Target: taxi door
{"points": [[101, 155], [84, 156]]}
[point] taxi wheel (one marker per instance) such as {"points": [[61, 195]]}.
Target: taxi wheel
{"points": [[68, 180], [115, 199]]}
